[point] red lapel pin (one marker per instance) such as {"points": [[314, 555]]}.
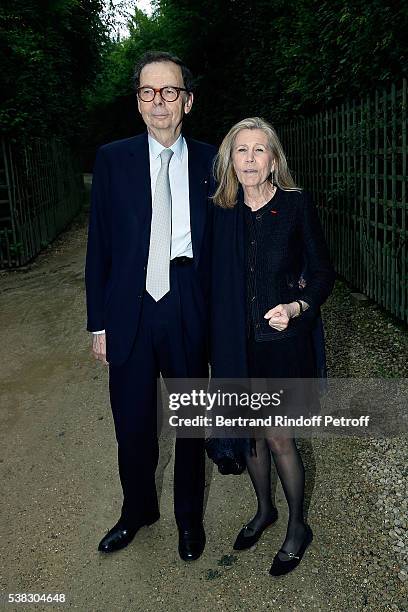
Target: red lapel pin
{"points": [[274, 212]]}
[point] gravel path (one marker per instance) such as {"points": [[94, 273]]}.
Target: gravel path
{"points": [[61, 493], [365, 342]]}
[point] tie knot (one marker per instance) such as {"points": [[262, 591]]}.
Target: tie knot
{"points": [[166, 156]]}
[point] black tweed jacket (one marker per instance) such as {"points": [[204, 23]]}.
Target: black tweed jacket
{"points": [[281, 241]]}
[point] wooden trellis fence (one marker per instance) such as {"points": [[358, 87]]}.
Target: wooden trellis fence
{"points": [[40, 192], [354, 160]]}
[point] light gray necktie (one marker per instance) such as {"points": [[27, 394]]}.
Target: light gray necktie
{"points": [[158, 265]]}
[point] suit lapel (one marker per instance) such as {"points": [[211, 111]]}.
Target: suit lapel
{"points": [[198, 192], [139, 173], [140, 186]]}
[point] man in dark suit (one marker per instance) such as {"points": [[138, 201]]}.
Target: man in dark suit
{"points": [[147, 281]]}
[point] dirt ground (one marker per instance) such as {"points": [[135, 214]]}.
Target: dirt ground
{"points": [[60, 490]]}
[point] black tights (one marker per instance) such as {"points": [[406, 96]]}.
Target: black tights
{"points": [[291, 357], [289, 466]]}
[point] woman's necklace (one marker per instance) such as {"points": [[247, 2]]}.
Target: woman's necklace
{"points": [[254, 207]]}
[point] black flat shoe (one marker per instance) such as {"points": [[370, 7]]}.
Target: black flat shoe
{"points": [[191, 543], [244, 540], [122, 534], [284, 566]]}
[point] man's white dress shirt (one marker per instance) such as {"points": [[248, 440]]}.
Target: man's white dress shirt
{"points": [[181, 244]]}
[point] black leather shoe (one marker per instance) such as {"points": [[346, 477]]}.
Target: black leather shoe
{"points": [[191, 543], [247, 538], [284, 566], [122, 534]]}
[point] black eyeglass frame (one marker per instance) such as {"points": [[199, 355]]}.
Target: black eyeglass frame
{"points": [[160, 91]]}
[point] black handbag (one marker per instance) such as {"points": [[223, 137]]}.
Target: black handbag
{"points": [[228, 454]]}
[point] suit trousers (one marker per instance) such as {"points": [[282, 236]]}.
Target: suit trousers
{"points": [[171, 340]]}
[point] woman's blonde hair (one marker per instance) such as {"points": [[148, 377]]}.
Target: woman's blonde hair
{"points": [[227, 190]]}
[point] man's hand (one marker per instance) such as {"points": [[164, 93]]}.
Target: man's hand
{"points": [[280, 315], [99, 347]]}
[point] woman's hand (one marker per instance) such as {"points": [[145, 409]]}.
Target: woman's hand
{"points": [[280, 315]]}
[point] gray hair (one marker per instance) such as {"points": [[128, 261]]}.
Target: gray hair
{"points": [[152, 57]]}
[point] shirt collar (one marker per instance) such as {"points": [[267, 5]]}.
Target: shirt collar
{"points": [[155, 148]]}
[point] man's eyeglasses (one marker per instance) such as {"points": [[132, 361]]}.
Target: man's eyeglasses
{"points": [[168, 94]]}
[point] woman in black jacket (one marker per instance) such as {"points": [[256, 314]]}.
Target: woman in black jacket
{"points": [[266, 233]]}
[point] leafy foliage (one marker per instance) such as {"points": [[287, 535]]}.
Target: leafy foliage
{"points": [[50, 53], [274, 58], [63, 69]]}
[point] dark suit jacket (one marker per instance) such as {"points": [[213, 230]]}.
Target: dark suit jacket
{"points": [[119, 235], [294, 244]]}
